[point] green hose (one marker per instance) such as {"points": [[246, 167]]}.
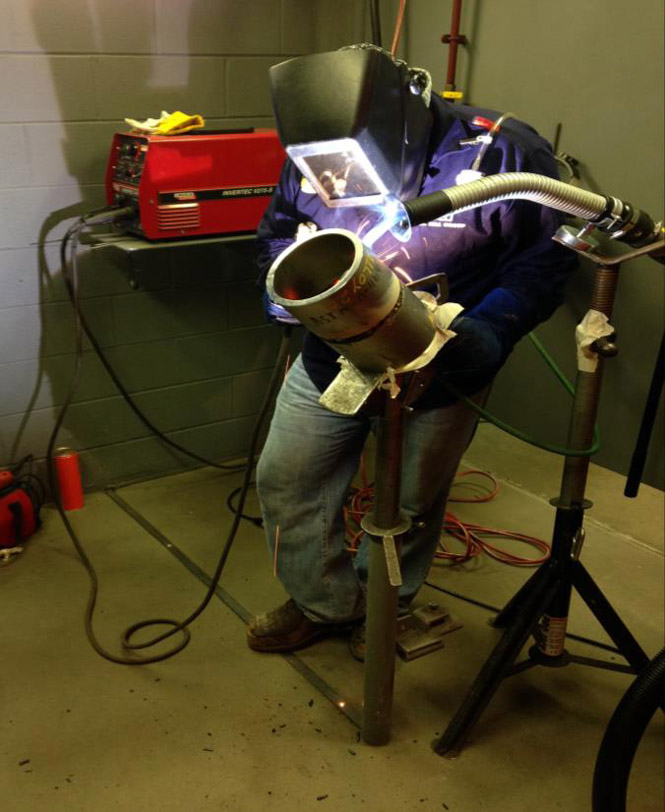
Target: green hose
{"points": [[495, 421]]}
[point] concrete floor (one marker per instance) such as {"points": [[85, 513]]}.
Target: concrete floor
{"points": [[219, 727]]}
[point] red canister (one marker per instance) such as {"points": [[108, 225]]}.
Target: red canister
{"points": [[69, 478]]}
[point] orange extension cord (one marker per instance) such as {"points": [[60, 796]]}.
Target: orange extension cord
{"points": [[472, 536]]}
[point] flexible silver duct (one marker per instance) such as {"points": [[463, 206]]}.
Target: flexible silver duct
{"points": [[527, 186], [618, 218]]}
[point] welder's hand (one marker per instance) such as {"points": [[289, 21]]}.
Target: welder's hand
{"points": [[470, 360]]}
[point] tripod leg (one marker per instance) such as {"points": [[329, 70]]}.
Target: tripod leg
{"points": [[500, 660], [608, 618], [507, 614]]}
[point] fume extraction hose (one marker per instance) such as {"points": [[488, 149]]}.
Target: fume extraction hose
{"points": [[619, 219]]}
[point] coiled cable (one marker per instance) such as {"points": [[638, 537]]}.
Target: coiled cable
{"points": [[70, 276]]}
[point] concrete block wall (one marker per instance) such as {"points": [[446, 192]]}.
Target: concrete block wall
{"points": [[190, 342]]}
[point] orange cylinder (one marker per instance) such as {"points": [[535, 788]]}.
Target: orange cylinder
{"points": [[69, 478]]}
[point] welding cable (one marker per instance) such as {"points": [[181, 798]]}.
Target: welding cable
{"points": [[359, 504], [118, 383], [471, 535], [256, 520], [71, 280], [398, 27]]}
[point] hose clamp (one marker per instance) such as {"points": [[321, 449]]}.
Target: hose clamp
{"points": [[614, 217]]}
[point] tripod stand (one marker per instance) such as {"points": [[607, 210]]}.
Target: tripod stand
{"points": [[540, 608]]}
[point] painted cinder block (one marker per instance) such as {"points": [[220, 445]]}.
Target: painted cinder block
{"points": [[39, 383], [129, 461], [30, 276], [218, 27], [180, 407], [247, 86], [33, 215], [140, 87], [21, 332], [14, 161], [230, 353], [86, 425], [46, 88], [248, 392], [28, 332], [20, 281], [149, 457], [218, 262], [245, 305], [78, 26], [68, 152], [151, 364], [322, 26], [159, 314]]}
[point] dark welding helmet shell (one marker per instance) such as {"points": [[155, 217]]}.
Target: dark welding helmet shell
{"points": [[361, 94]]}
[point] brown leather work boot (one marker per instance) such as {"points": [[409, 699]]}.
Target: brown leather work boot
{"points": [[286, 628]]}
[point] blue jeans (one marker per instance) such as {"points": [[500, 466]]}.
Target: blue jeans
{"points": [[306, 467]]}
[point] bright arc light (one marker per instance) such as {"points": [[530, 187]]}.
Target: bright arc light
{"points": [[394, 219]]}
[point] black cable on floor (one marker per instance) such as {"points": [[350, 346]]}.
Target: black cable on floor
{"points": [[256, 520], [71, 282], [497, 609]]}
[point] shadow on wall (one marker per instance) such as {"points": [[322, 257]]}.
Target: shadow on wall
{"points": [[167, 335]]}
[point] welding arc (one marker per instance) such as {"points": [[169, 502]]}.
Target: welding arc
{"points": [[71, 282]]}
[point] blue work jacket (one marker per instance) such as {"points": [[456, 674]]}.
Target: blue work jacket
{"points": [[500, 260]]}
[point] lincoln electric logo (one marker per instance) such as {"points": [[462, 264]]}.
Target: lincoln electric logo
{"points": [[201, 195]]}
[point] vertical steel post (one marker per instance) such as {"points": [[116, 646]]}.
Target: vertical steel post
{"points": [[382, 597]]}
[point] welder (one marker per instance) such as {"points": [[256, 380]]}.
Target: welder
{"points": [[362, 129]]}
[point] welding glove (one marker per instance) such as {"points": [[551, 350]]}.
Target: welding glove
{"points": [[465, 364], [168, 123], [473, 357]]}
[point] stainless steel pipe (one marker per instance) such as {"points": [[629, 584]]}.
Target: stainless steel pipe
{"points": [[343, 294]]}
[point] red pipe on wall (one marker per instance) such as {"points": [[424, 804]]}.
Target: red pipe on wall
{"points": [[453, 39]]}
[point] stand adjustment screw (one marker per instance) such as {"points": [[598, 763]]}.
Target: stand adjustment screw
{"points": [[606, 346]]}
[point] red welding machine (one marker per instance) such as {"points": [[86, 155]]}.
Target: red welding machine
{"points": [[202, 183]]}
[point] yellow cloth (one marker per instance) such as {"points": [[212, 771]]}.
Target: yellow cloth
{"points": [[168, 124]]}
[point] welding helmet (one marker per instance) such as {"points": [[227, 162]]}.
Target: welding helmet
{"points": [[356, 122]]}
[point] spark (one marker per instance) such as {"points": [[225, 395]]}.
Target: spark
{"points": [[402, 273]]}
